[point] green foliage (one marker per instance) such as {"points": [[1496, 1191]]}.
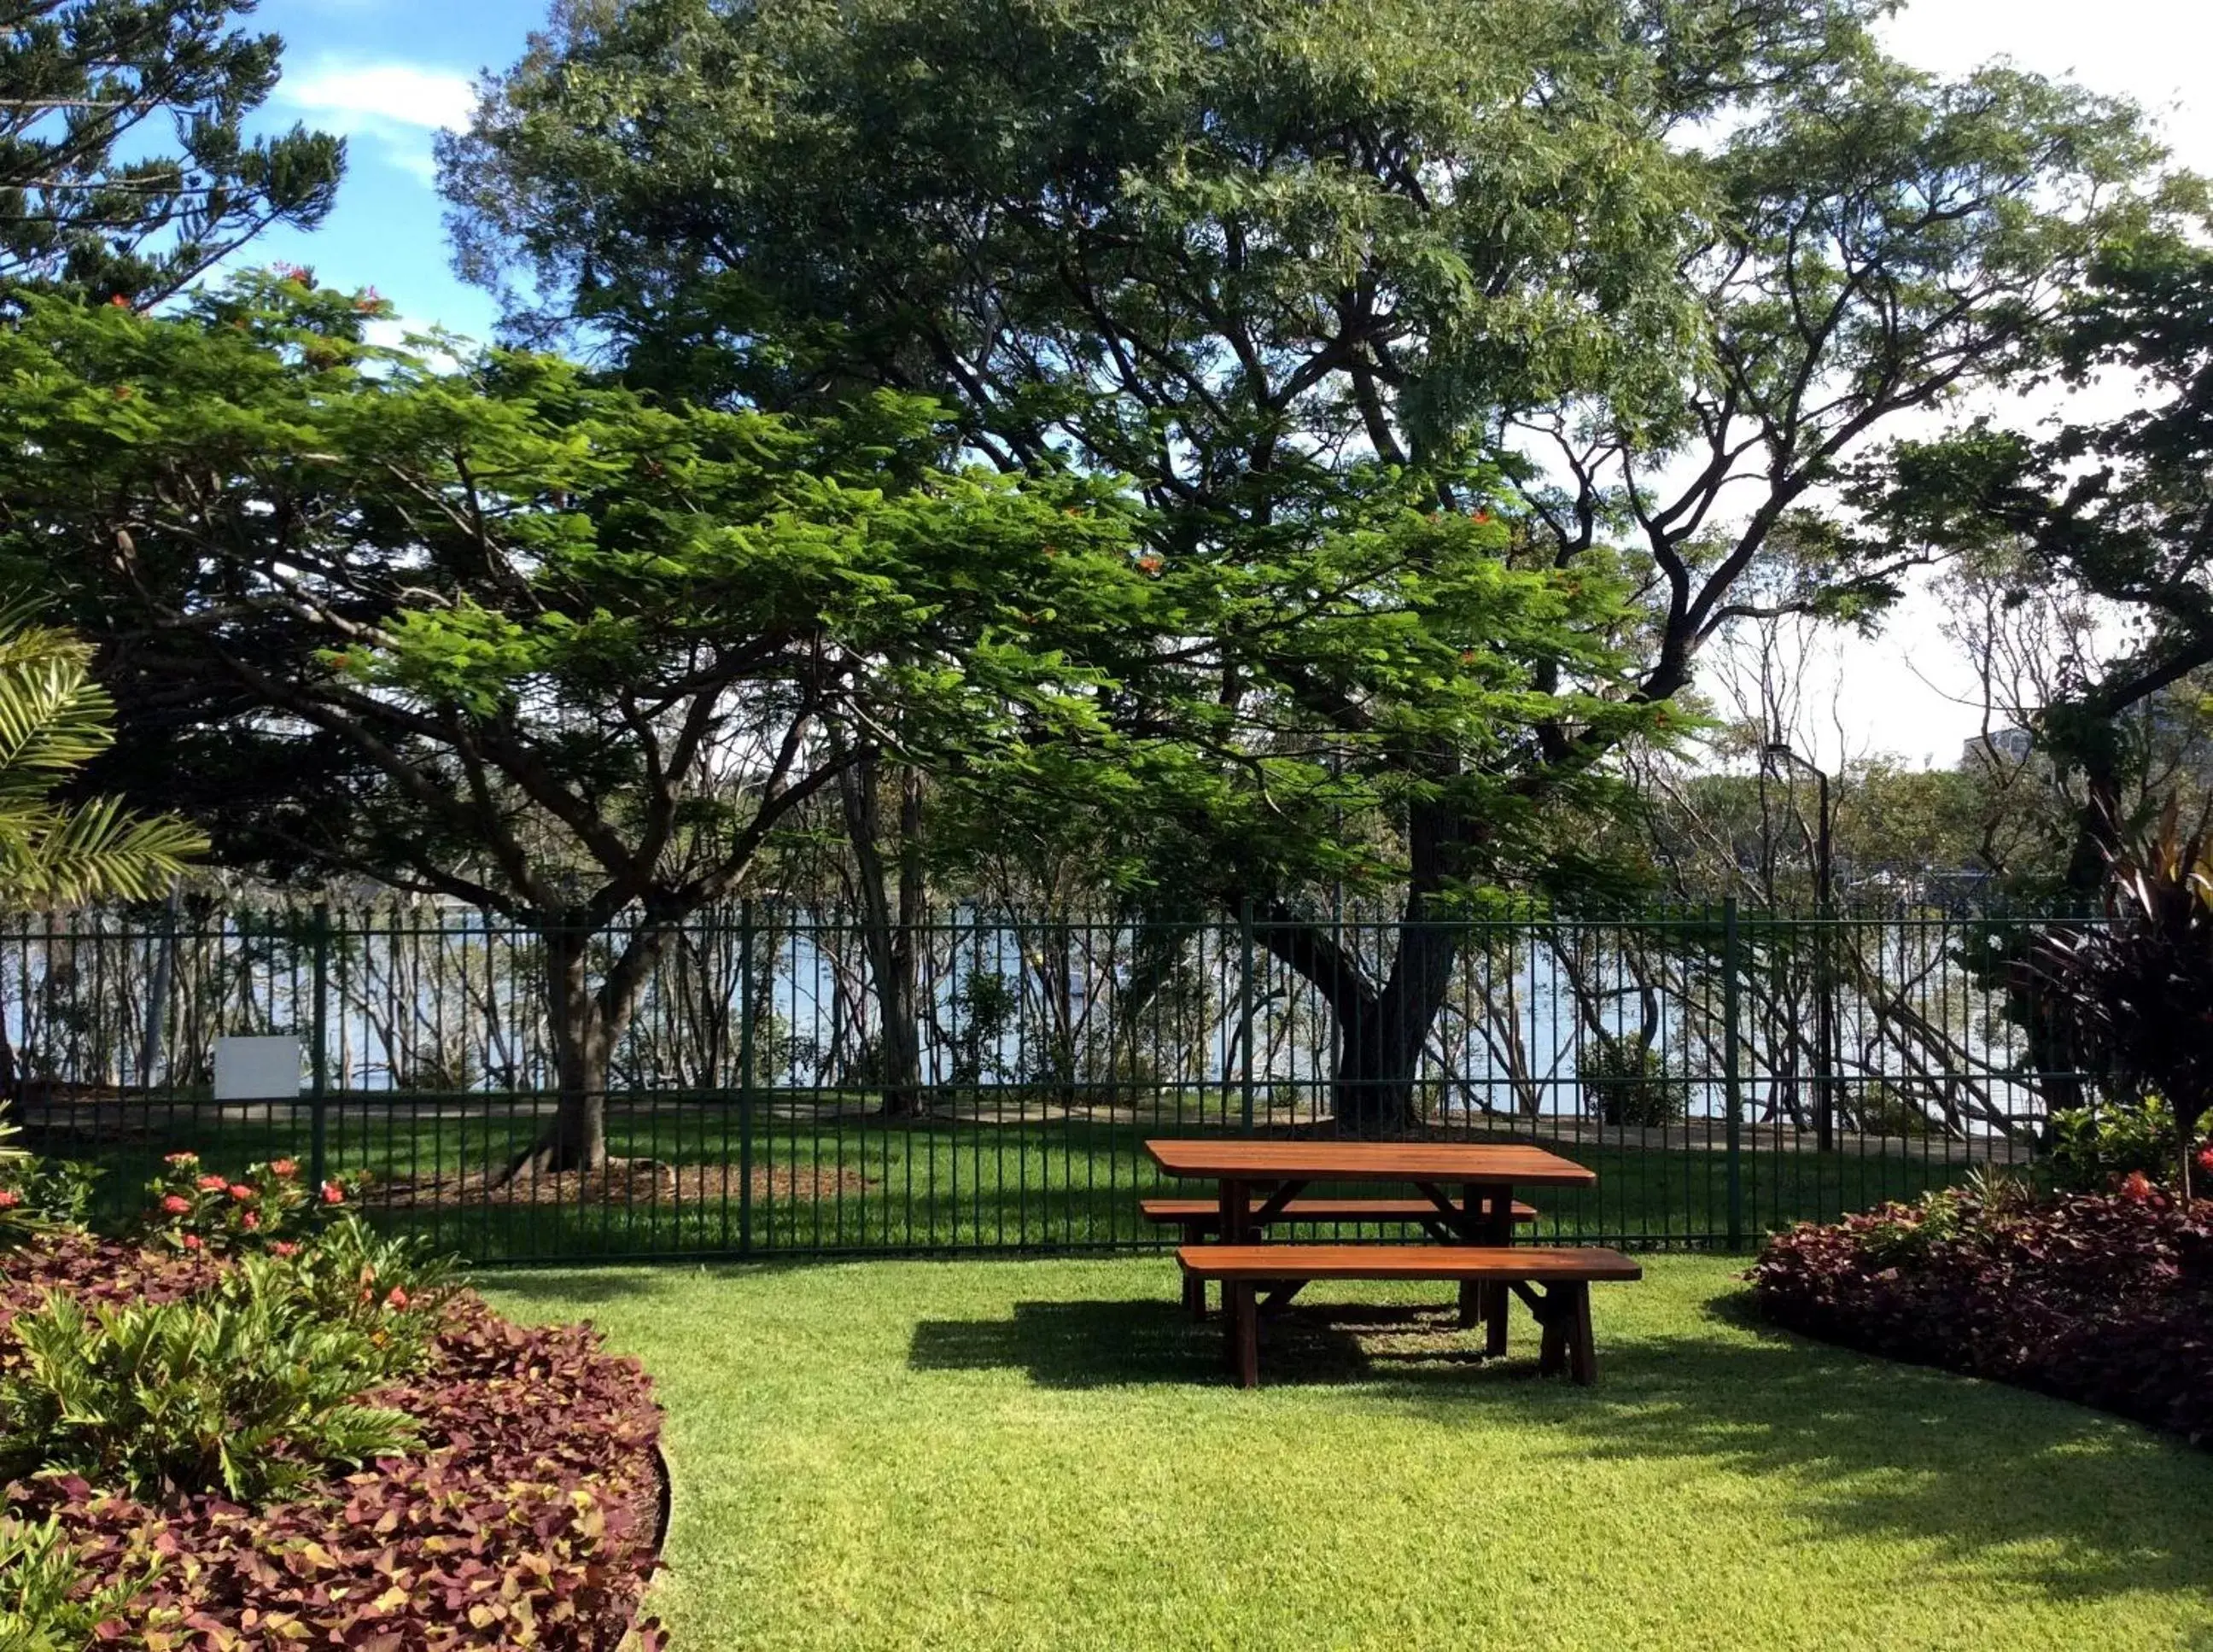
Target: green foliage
{"points": [[2133, 995], [53, 720], [1625, 1082], [44, 1605], [2092, 1147], [246, 1390], [191, 1208], [127, 172]]}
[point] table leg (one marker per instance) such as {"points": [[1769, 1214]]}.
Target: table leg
{"points": [[1244, 1318], [1497, 1227], [1194, 1288]]}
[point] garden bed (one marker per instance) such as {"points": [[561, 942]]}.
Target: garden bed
{"points": [[2104, 1299], [622, 1181], [529, 1514]]}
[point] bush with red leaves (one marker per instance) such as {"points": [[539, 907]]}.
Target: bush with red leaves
{"points": [[526, 1520], [2104, 1299]]}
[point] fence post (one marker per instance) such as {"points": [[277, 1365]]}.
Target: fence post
{"points": [[1732, 1072], [319, 1059], [745, 1078], [1245, 1007]]}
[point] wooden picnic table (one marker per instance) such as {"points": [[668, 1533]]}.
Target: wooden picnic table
{"points": [[1485, 1174]]}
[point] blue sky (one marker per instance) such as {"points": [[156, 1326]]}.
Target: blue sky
{"points": [[388, 73]]}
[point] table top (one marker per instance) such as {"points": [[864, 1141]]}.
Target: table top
{"points": [[1323, 1159]]}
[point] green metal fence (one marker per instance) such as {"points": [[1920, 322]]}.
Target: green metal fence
{"points": [[1724, 1072]]}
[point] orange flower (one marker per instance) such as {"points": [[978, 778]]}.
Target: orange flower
{"points": [[398, 1298], [2137, 1185], [176, 1205], [192, 1242], [332, 1193], [284, 1167], [9, 1198]]}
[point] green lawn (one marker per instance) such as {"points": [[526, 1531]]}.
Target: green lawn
{"points": [[1001, 1454]]}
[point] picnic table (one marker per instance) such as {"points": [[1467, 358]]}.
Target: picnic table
{"points": [[1258, 1181]]}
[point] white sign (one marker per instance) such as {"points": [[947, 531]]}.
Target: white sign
{"points": [[257, 1070]]}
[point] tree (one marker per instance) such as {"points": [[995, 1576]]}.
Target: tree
{"points": [[1249, 254], [498, 634], [2099, 519], [54, 719], [92, 197]]}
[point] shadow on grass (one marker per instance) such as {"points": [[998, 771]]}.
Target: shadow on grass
{"points": [[1100, 1344], [2040, 1493]]}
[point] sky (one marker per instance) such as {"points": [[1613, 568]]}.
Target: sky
{"points": [[389, 73]]}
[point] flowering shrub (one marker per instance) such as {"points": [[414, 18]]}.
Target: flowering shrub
{"points": [[523, 1516], [192, 1207], [2102, 1298]]}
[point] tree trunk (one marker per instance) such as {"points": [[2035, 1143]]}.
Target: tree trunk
{"points": [[890, 936], [583, 1041], [1372, 1088]]}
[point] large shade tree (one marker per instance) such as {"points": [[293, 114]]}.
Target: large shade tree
{"points": [[498, 635], [2113, 514], [1661, 264]]}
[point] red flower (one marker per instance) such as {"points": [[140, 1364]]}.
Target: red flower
{"points": [[181, 1158], [332, 1193], [2137, 1185], [241, 1192], [119, 301], [2205, 1159], [9, 1198], [192, 1242], [285, 1247], [176, 1205], [250, 1221], [396, 1298], [1150, 564], [284, 1167], [212, 1183], [1480, 516]]}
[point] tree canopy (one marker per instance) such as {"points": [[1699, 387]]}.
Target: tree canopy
{"points": [[124, 170], [1634, 278]]}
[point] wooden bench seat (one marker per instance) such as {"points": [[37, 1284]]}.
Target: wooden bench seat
{"points": [[1201, 1219], [1561, 1306]]}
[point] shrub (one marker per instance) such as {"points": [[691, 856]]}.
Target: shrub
{"points": [[2134, 995], [190, 1207], [1625, 1082], [36, 1193], [245, 1389], [2100, 1298], [2094, 1147], [48, 1602], [521, 1517]]}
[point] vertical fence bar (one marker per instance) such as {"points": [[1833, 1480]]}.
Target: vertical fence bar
{"points": [[1245, 1010], [746, 1078], [1732, 1074], [319, 1063]]}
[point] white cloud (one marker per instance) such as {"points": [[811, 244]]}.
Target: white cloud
{"points": [[396, 106]]}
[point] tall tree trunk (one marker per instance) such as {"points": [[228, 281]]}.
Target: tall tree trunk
{"points": [[585, 1023], [1382, 1031], [889, 935], [1372, 1088]]}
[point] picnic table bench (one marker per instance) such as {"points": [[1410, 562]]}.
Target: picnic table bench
{"points": [[1260, 1183], [1562, 1307], [1200, 1220]]}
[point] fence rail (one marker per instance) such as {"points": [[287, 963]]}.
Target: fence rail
{"points": [[1723, 1071]]}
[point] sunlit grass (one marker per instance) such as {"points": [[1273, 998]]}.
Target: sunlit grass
{"points": [[1045, 1455]]}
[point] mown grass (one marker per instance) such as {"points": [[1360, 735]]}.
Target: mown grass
{"points": [[1012, 1454], [1051, 1179]]}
